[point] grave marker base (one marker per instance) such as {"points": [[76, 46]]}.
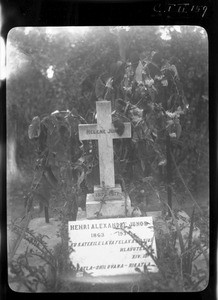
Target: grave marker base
{"points": [[114, 193], [108, 209]]}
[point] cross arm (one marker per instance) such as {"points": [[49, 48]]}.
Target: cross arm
{"points": [[86, 132]]}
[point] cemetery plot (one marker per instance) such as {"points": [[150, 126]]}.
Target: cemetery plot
{"points": [[105, 248]]}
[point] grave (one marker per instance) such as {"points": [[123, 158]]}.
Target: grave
{"points": [[112, 243], [115, 202]]}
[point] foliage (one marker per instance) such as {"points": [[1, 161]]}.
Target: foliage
{"points": [[57, 134], [103, 57], [178, 269], [53, 263]]}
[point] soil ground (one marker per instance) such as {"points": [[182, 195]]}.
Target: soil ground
{"points": [[19, 188]]}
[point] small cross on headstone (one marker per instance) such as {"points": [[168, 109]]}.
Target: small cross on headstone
{"points": [[104, 132]]}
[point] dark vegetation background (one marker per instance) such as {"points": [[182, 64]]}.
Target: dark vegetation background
{"points": [[157, 79], [76, 62]]}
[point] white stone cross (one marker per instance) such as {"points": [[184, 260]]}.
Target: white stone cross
{"points": [[104, 132]]}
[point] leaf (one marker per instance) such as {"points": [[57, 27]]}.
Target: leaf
{"points": [[109, 83], [138, 270], [53, 181], [169, 101], [152, 93], [74, 112], [119, 127], [146, 130], [138, 72], [164, 82], [135, 137], [99, 88], [81, 178], [109, 95], [191, 229], [181, 242], [136, 114], [135, 288], [142, 165], [34, 128], [170, 114], [174, 69], [49, 124], [55, 112], [169, 123], [148, 179], [178, 130]]}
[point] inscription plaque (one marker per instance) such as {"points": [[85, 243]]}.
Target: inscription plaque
{"points": [[105, 248]]}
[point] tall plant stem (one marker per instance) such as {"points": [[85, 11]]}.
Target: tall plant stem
{"points": [[11, 255], [169, 173], [185, 185]]}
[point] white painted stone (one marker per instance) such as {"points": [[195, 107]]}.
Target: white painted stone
{"points": [[102, 248], [108, 193], [104, 132], [111, 208]]}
